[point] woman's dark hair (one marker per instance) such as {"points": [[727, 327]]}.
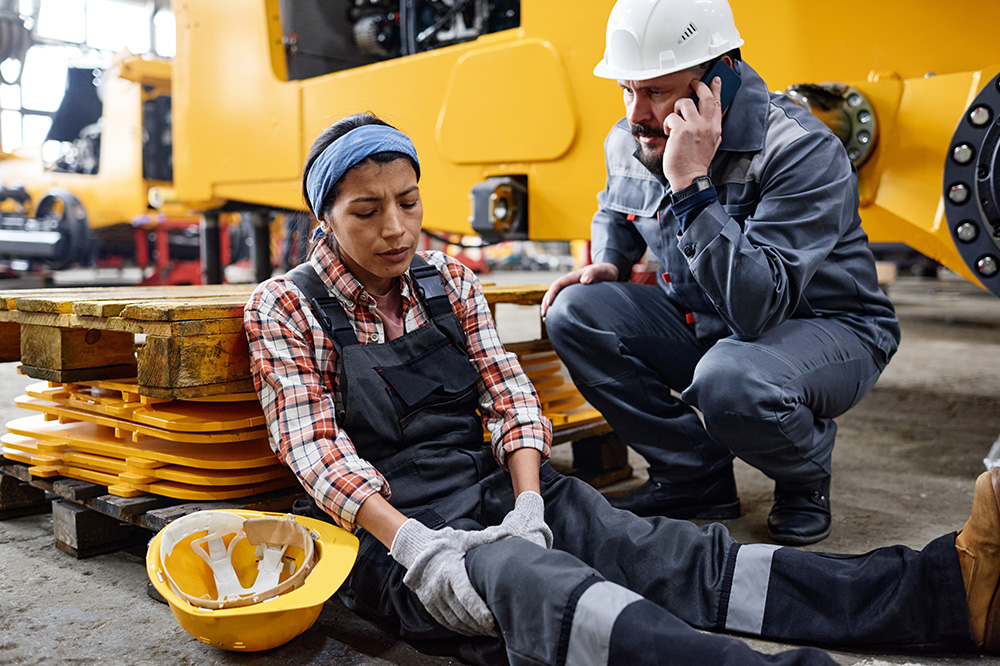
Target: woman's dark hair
{"points": [[331, 134], [328, 136]]}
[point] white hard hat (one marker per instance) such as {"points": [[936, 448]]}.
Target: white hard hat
{"points": [[650, 38]]}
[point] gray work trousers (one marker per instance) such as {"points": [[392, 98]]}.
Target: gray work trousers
{"points": [[620, 589], [770, 401]]}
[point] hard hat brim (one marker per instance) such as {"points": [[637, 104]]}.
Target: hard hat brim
{"points": [[605, 71], [276, 621]]}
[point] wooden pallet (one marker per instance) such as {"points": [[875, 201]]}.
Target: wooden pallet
{"points": [[192, 345], [87, 520], [115, 356], [192, 337]]}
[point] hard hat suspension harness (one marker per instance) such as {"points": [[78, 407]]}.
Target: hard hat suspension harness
{"points": [[272, 536]]}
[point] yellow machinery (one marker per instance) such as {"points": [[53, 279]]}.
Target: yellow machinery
{"points": [[928, 171], [53, 214], [515, 120], [509, 121]]}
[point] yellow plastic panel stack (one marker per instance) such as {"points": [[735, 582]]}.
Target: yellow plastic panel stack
{"points": [[106, 433]]}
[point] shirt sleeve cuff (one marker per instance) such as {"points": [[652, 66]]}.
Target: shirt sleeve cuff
{"points": [[686, 210], [347, 515], [539, 440]]}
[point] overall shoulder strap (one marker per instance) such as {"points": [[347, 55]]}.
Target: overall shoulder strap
{"points": [[430, 286], [326, 308]]}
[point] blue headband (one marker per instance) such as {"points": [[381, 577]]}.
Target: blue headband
{"points": [[348, 150]]}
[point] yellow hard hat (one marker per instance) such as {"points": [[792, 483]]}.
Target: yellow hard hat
{"points": [[248, 580]]}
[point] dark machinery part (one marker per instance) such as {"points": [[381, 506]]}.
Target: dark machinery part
{"points": [[83, 155], [77, 123], [500, 208], [324, 36], [393, 28], [377, 35], [972, 186], [210, 243], [80, 107], [157, 139], [319, 38], [58, 234], [845, 110]]}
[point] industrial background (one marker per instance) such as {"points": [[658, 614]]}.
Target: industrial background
{"points": [[150, 157]]}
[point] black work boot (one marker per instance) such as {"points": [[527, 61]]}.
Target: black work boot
{"points": [[711, 498], [800, 516]]}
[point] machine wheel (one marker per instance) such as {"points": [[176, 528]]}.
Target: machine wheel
{"points": [[60, 211]]}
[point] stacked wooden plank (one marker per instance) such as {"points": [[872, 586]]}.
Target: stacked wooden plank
{"points": [[145, 409], [133, 363], [192, 343]]}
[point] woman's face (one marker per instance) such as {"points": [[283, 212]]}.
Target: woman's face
{"points": [[376, 218]]}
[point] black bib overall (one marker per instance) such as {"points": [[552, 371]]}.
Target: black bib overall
{"points": [[410, 407]]}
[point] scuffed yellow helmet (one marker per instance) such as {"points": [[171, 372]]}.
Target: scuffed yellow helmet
{"points": [[248, 580]]}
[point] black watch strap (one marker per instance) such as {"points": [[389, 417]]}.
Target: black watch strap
{"points": [[697, 185]]}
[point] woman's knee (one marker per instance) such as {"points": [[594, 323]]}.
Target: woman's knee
{"points": [[492, 568]]}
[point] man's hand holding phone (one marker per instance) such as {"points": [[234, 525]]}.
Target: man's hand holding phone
{"points": [[695, 126]]}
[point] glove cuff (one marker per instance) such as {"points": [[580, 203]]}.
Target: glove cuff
{"points": [[530, 502], [412, 538]]}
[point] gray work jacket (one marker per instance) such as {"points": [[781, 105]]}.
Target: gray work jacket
{"points": [[783, 240]]}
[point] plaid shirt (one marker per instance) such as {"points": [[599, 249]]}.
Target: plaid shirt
{"points": [[295, 371]]}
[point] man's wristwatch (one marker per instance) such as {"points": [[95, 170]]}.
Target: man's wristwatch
{"points": [[697, 185]]}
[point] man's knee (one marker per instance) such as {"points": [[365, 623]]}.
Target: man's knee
{"points": [[569, 314], [582, 328], [734, 398]]}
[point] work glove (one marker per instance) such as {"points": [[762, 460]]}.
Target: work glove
{"points": [[527, 520], [435, 571]]}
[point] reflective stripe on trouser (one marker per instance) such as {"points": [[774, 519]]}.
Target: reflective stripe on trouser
{"points": [[557, 610], [692, 576], [593, 620], [748, 594]]}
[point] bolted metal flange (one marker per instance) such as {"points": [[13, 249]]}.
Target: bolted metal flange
{"points": [[971, 186], [843, 109]]}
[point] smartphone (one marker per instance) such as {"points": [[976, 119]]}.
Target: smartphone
{"points": [[730, 82]]}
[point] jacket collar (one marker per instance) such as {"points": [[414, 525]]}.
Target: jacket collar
{"points": [[745, 124]]}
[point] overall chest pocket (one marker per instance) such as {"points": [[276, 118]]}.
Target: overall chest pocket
{"points": [[441, 375]]}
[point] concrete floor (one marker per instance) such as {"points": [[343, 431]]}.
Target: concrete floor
{"points": [[904, 467]]}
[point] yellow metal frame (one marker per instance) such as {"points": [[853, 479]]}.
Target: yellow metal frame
{"points": [[525, 101]]}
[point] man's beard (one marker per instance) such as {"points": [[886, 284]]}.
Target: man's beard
{"points": [[653, 162]]}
